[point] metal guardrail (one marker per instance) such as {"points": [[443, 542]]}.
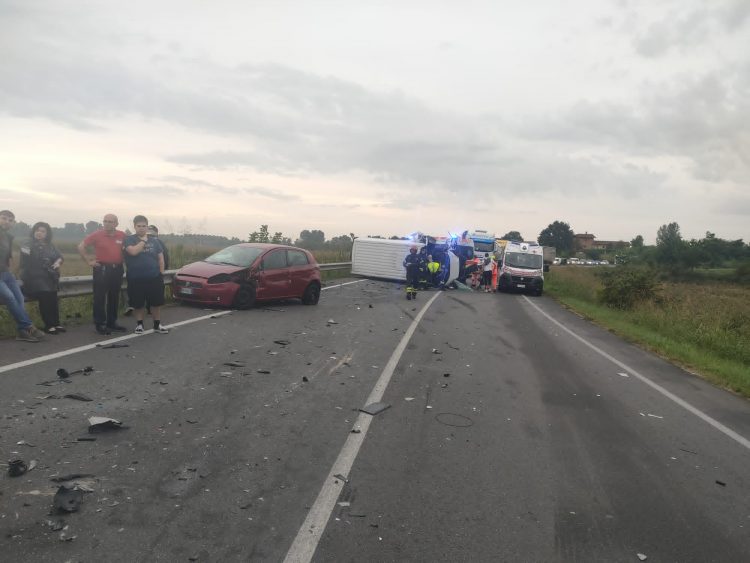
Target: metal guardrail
{"points": [[75, 286]]}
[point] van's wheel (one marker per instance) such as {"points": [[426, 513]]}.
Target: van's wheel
{"points": [[311, 296], [245, 297]]}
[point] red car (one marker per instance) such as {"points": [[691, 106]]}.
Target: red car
{"points": [[242, 274]]}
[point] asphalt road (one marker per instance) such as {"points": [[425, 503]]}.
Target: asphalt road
{"points": [[516, 432]]}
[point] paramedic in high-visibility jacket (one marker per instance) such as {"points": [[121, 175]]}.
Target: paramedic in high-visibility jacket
{"points": [[432, 269], [412, 264]]}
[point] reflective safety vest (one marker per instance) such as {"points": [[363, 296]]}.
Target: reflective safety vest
{"points": [[433, 267]]}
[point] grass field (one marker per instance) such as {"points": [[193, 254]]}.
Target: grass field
{"points": [[703, 326]]}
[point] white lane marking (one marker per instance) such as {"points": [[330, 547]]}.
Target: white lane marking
{"points": [[70, 351], [340, 285], [684, 404], [304, 545]]}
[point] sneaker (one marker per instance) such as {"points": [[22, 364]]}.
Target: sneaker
{"points": [[117, 328], [161, 330], [26, 335], [59, 328], [139, 329], [128, 311], [101, 329], [36, 332], [51, 330]]}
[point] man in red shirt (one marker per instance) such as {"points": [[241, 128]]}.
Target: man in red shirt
{"points": [[107, 271]]}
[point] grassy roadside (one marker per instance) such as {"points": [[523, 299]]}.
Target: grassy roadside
{"points": [[703, 327]]}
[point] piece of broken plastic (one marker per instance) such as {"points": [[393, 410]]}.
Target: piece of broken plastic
{"points": [[102, 424], [375, 408], [67, 499], [17, 467], [641, 556]]}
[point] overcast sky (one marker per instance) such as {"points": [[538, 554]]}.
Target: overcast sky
{"points": [[379, 117]]}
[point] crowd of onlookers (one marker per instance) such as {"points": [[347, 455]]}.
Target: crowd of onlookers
{"points": [[142, 257]]}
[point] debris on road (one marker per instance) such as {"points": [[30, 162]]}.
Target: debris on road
{"points": [[331, 322], [408, 398], [55, 525], [340, 477], [654, 415], [70, 477], [235, 364], [78, 397], [722, 483], [17, 467], [282, 342], [641, 556], [25, 443], [305, 379], [86, 439], [356, 430], [621, 374], [446, 375], [62, 373], [263, 371], [113, 345], [103, 424], [436, 351], [375, 408], [67, 499]]}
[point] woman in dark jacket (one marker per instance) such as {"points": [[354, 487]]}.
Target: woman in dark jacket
{"points": [[40, 273]]}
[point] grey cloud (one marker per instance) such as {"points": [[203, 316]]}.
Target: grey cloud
{"points": [[164, 190], [271, 193], [702, 119], [688, 29]]}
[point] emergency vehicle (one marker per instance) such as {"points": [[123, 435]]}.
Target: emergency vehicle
{"points": [[521, 267]]}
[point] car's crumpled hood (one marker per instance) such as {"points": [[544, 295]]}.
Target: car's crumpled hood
{"points": [[207, 269]]}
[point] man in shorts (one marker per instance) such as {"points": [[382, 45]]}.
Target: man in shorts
{"points": [[145, 266]]}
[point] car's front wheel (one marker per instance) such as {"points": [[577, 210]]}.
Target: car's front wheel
{"points": [[311, 296], [245, 297]]}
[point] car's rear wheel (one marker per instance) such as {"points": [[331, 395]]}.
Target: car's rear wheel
{"points": [[311, 296], [245, 297]]}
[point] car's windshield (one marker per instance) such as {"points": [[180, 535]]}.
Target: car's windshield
{"points": [[235, 256], [521, 260], [482, 246]]}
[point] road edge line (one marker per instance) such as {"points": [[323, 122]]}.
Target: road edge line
{"points": [[668, 394]]}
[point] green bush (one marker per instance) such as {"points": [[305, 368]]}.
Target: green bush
{"points": [[742, 273], [623, 287]]}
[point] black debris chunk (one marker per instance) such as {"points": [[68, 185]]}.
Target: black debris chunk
{"points": [[113, 345], [78, 397], [17, 467], [341, 478], [67, 499], [235, 364], [446, 375], [55, 525], [62, 373], [86, 439], [282, 342], [436, 351], [262, 371], [375, 408], [70, 477], [370, 306], [722, 483], [304, 378]]}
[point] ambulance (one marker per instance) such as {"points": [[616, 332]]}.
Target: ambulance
{"points": [[521, 267]]}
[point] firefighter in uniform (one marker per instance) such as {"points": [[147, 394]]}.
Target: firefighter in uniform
{"points": [[412, 264]]}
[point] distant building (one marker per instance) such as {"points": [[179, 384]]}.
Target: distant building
{"points": [[586, 241]]}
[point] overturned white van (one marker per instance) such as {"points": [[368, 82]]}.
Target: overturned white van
{"points": [[384, 258]]}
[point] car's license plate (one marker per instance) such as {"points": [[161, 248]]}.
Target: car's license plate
{"points": [[521, 285], [186, 291]]}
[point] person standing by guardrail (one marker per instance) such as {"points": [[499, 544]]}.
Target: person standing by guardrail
{"points": [[10, 292], [40, 273], [145, 261], [107, 272]]}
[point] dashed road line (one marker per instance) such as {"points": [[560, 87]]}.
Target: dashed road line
{"points": [[306, 542]]}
